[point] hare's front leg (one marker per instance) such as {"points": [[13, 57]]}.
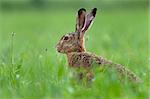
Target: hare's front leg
{"points": [[88, 76]]}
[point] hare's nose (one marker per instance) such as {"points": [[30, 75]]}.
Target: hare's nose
{"points": [[58, 48]]}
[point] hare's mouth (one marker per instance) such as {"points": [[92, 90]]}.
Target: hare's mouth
{"points": [[58, 48]]}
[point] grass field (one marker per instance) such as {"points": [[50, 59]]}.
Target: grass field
{"points": [[30, 67]]}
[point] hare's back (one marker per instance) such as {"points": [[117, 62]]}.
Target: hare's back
{"points": [[84, 59]]}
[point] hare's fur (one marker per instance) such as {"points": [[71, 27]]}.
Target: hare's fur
{"points": [[72, 44]]}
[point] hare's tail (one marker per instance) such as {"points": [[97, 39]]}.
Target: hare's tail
{"points": [[123, 72]]}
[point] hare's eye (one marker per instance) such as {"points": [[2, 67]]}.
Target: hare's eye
{"points": [[66, 38]]}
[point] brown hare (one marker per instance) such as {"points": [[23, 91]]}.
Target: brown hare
{"points": [[72, 44]]}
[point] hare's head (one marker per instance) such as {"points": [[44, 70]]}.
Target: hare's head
{"points": [[73, 42]]}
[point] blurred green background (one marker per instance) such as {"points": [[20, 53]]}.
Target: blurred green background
{"points": [[30, 67]]}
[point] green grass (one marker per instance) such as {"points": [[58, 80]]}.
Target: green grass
{"points": [[30, 67]]}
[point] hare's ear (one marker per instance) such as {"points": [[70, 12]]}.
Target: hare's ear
{"points": [[80, 20], [88, 20]]}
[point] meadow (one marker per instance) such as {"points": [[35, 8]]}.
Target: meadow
{"points": [[30, 67]]}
